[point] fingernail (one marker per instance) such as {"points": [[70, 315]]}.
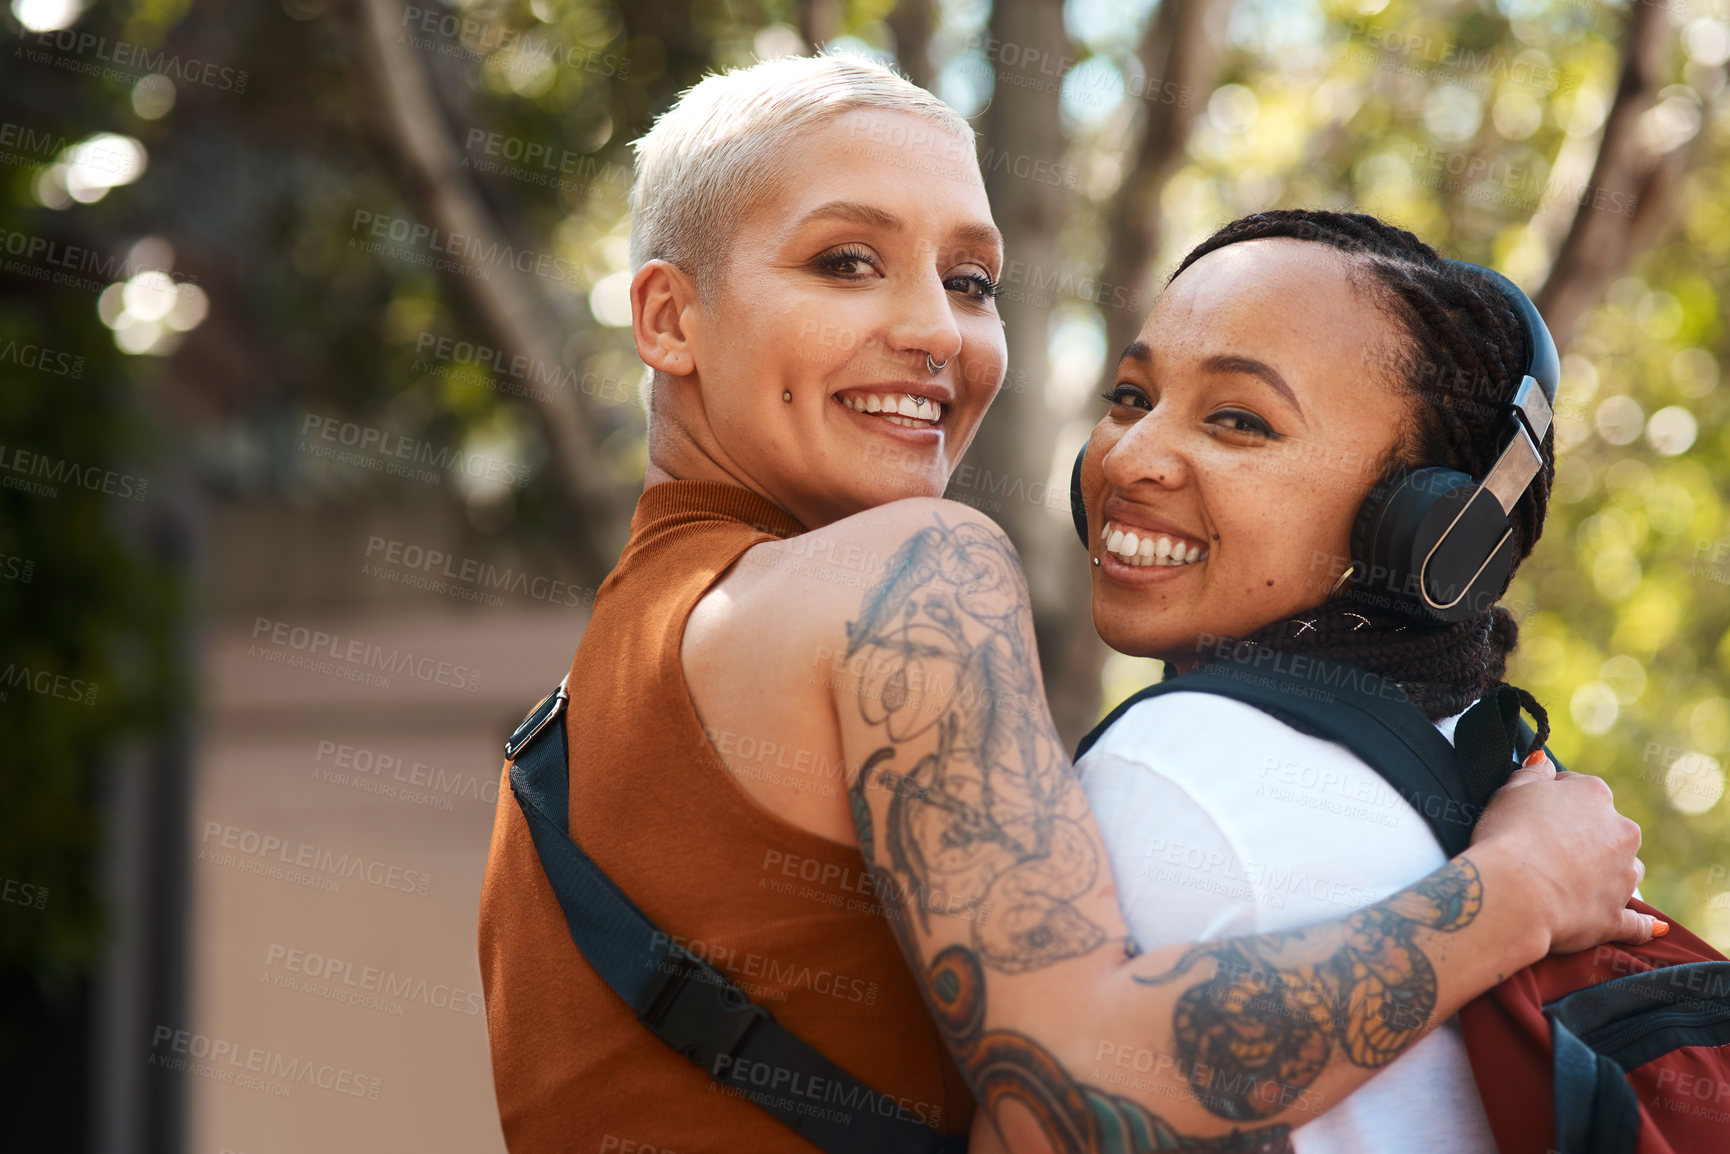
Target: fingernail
{"points": [[1659, 929], [1533, 758]]}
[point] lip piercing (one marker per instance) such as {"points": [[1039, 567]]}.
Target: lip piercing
{"points": [[934, 366]]}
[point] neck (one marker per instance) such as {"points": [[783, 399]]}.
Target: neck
{"points": [[679, 452]]}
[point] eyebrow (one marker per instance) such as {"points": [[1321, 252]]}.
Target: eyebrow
{"points": [[853, 210], [972, 234], [1233, 363], [979, 235]]}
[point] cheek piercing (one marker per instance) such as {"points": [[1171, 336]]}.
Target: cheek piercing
{"points": [[787, 396]]}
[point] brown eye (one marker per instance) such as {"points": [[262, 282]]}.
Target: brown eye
{"points": [[847, 263], [1130, 397], [974, 285], [1239, 421]]}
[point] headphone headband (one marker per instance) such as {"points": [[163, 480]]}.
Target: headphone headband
{"points": [[1534, 397], [1543, 366]]}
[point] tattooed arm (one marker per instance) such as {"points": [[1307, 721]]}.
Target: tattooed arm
{"points": [[994, 876]]}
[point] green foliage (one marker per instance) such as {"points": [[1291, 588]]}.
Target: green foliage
{"points": [[1632, 578], [86, 666]]}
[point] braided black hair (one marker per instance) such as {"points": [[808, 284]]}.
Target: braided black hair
{"points": [[1465, 352]]}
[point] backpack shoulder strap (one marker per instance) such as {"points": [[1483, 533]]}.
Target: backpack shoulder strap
{"points": [[682, 1000], [1366, 713]]}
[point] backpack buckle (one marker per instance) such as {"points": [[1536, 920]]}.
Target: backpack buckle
{"points": [[530, 727], [694, 1009]]}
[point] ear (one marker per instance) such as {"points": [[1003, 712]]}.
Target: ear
{"points": [[662, 297]]}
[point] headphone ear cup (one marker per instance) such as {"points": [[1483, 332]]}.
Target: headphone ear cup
{"points": [[1078, 507], [1365, 556], [1396, 533]]}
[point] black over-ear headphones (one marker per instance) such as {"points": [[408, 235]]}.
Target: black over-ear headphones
{"points": [[1436, 542]]}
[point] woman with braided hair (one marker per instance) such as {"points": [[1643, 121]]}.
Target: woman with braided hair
{"points": [[1296, 361]]}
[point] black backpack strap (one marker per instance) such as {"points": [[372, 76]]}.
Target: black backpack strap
{"points": [[1599, 1033], [1372, 717], [683, 1001], [1487, 742]]}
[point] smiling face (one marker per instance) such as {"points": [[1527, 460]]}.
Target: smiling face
{"points": [[1248, 422], [877, 249]]}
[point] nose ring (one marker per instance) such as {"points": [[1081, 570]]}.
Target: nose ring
{"points": [[934, 366]]}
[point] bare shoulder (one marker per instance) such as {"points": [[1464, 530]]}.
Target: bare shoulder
{"points": [[814, 584], [767, 648], [891, 525], [789, 606]]}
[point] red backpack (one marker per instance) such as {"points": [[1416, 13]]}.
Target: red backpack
{"points": [[1613, 1050], [1621, 1038]]}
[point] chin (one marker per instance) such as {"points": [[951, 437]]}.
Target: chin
{"points": [[1129, 641], [1135, 635]]}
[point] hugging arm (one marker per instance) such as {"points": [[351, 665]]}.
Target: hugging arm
{"points": [[992, 871]]}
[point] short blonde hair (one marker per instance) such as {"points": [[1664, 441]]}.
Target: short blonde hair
{"points": [[718, 152]]}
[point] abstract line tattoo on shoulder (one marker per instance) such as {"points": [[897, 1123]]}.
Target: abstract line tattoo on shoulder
{"points": [[989, 820]]}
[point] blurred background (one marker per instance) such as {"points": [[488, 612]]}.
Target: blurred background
{"points": [[319, 426]]}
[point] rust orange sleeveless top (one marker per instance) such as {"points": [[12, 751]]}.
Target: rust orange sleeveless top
{"points": [[788, 915]]}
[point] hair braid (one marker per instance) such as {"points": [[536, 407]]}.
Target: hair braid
{"points": [[1465, 351]]}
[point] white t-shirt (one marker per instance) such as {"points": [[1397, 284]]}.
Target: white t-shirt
{"points": [[1221, 821]]}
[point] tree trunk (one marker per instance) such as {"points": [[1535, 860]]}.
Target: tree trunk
{"points": [[1182, 63], [1010, 461], [911, 24], [503, 305], [1632, 193]]}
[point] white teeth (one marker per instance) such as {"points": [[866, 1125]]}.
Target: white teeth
{"points": [[1132, 548], [900, 409]]}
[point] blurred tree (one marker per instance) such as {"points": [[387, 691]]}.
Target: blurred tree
{"points": [[1638, 161], [503, 305], [93, 680], [1011, 458], [1570, 144]]}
